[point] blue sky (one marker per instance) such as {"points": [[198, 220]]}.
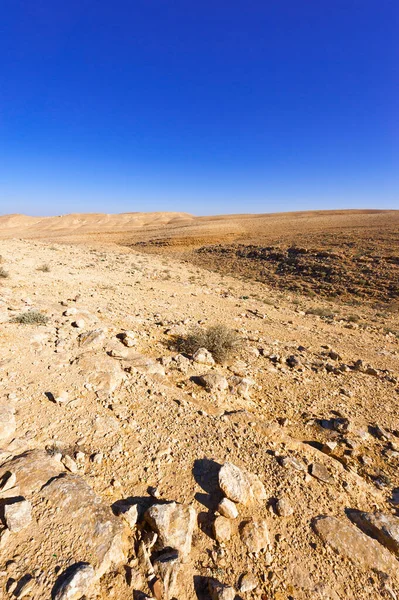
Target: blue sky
{"points": [[204, 107]]}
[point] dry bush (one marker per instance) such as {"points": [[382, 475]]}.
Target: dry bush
{"points": [[220, 340], [31, 317], [44, 268], [3, 273], [321, 312]]}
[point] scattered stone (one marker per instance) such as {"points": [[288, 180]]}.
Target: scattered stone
{"points": [[222, 529], [213, 382], [128, 339], [167, 565], [75, 582], [293, 462], [255, 535], [382, 527], [284, 508], [248, 583], [97, 458], [228, 509], [92, 338], [18, 515], [129, 513], [293, 361], [239, 485], [350, 542], [79, 323], [320, 472], [61, 398], [240, 385], [70, 464], [174, 523], [219, 591], [203, 357]]}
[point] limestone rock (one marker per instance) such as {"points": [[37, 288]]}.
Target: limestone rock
{"points": [[75, 583], [174, 523], [283, 508], [240, 485], [213, 382], [222, 529], [129, 513], [240, 385], [18, 515], [128, 339], [320, 472], [382, 527], [219, 591], [85, 521], [7, 422], [101, 371], [70, 464], [349, 541], [255, 535], [248, 583], [228, 509], [203, 357], [92, 338], [32, 469]]}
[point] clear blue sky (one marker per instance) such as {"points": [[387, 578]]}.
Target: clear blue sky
{"points": [[205, 107]]}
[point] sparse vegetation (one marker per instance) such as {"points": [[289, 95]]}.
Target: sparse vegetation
{"points": [[220, 340], [44, 268], [320, 311], [31, 317], [3, 273]]}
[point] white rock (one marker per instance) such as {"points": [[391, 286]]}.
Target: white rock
{"points": [[222, 529], [18, 515], [174, 523], [70, 464], [255, 535], [78, 583], [79, 323], [203, 357], [228, 509], [240, 485]]}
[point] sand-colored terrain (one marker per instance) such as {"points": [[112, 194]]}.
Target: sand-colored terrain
{"points": [[95, 421]]}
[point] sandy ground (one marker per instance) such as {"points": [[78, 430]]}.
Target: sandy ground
{"points": [[159, 428]]}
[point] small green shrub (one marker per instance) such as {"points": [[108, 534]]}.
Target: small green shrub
{"points": [[31, 317], [220, 340]]}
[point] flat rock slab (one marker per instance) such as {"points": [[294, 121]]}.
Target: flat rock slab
{"points": [[348, 541], [382, 527], [240, 485], [7, 422], [101, 371], [32, 470], [174, 523], [85, 526]]}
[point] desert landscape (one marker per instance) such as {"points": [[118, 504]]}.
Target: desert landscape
{"points": [[199, 407]]}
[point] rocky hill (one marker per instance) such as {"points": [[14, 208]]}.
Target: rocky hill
{"points": [[132, 468]]}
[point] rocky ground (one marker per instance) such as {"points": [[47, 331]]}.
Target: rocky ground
{"points": [[129, 470]]}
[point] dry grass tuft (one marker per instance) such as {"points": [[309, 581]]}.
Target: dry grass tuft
{"points": [[30, 317], [44, 268], [220, 340]]}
